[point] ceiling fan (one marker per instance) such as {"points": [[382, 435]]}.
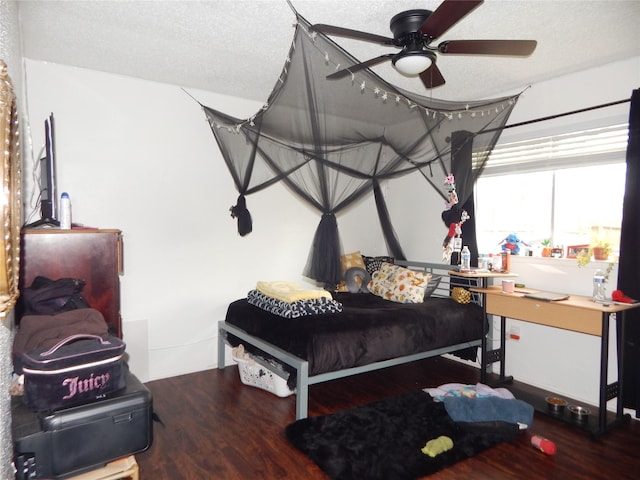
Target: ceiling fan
{"points": [[415, 30]]}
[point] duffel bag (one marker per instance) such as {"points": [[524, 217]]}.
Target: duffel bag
{"points": [[78, 369]]}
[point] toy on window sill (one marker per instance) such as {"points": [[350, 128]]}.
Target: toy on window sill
{"points": [[512, 244]]}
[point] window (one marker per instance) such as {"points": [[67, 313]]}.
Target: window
{"points": [[567, 188]]}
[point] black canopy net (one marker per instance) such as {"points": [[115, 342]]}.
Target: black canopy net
{"points": [[334, 141]]}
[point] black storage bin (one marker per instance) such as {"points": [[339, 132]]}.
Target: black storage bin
{"points": [[74, 440]]}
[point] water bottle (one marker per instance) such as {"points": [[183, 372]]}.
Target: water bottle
{"points": [[598, 286], [465, 259], [497, 263], [65, 211]]}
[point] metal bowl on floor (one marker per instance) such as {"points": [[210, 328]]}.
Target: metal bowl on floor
{"points": [[556, 405], [579, 413]]}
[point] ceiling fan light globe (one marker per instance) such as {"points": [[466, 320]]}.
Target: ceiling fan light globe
{"points": [[412, 64]]}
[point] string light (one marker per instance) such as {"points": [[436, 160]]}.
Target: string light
{"points": [[313, 35]]}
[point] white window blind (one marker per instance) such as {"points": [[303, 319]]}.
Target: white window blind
{"points": [[582, 148]]}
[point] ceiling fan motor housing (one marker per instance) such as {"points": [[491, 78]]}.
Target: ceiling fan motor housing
{"points": [[406, 25]]}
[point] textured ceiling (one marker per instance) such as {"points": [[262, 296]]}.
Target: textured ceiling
{"points": [[238, 47]]}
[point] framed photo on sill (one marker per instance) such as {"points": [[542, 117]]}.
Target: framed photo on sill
{"points": [[574, 250]]}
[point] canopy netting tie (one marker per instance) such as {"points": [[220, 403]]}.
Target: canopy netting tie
{"points": [[239, 211]]}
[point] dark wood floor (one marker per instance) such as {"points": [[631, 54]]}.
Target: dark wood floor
{"points": [[217, 428]]}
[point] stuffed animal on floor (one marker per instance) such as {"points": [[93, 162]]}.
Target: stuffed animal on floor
{"points": [[437, 446]]}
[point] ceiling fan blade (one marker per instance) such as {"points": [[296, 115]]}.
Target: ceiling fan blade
{"points": [[518, 48], [447, 15], [432, 77], [360, 66], [355, 34]]}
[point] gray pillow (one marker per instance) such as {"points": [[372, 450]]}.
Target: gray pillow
{"points": [[356, 279]]}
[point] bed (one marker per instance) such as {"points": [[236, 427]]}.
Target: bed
{"points": [[369, 334]]}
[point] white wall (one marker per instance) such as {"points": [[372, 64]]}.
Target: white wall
{"points": [[598, 86], [139, 156]]}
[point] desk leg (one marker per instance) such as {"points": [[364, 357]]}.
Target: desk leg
{"points": [[604, 362], [613, 390], [489, 357], [483, 348], [503, 353], [620, 344]]}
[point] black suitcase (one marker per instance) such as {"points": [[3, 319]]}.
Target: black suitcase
{"points": [[74, 440]]}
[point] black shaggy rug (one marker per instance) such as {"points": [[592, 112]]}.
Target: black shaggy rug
{"points": [[383, 440]]}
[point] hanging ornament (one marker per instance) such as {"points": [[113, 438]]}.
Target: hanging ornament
{"points": [[450, 187], [453, 240]]}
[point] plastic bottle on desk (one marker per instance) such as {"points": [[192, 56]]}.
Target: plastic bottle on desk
{"points": [[65, 211], [506, 261], [598, 286], [465, 259], [497, 263]]}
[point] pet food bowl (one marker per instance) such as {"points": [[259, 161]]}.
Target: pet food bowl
{"points": [[556, 405], [579, 413]]}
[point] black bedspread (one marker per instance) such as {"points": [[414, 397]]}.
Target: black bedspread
{"points": [[369, 329]]}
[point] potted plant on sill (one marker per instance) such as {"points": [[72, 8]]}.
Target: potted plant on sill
{"points": [[546, 247], [601, 250]]}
